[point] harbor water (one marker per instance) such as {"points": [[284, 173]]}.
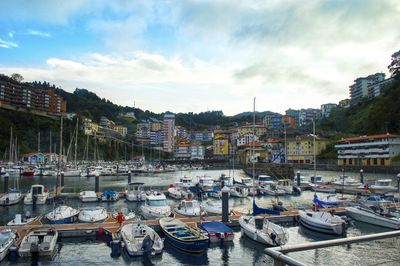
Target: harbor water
{"points": [[243, 251]]}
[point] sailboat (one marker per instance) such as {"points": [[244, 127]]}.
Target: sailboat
{"points": [[259, 228], [13, 196]]}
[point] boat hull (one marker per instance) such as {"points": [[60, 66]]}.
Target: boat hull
{"points": [[66, 220], [198, 246], [373, 219]]}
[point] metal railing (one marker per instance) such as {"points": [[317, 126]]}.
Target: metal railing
{"points": [[278, 253]]}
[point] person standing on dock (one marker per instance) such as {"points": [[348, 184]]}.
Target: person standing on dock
{"points": [[120, 218]]}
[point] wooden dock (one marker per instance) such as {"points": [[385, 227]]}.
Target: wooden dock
{"points": [[111, 227]]}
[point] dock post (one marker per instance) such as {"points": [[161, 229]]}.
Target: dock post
{"points": [[129, 176], [225, 204], [6, 177], [97, 183], [362, 176], [298, 178], [117, 169], [115, 248], [62, 179], [87, 171], [20, 172], [398, 182], [41, 171]]}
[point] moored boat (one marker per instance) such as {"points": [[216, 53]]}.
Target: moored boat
{"points": [[212, 206], [155, 206], [7, 239], [12, 197], [92, 214], [19, 220], [217, 232], [139, 238], [37, 193], [88, 196], [376, 217], [323, 222], [41, 241], [190, 208], [239, 191], [62, 215], [134, 192], [110, 196], [184, 237]]}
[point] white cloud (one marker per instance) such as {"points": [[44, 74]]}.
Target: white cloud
{"points": [[39, 33], [7, 44], [11, 34]]}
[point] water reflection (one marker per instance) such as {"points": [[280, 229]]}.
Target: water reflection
{"points": [[184, 257]]}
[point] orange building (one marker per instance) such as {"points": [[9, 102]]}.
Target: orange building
{"points": [[289, 121]]}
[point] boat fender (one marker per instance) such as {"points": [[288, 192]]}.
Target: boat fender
{"points": [[255, 236]]}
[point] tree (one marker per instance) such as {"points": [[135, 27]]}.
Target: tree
{"points": [[394, 67], [17, 77]]}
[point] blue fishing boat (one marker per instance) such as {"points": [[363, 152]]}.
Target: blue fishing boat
{"points": [[184, 237], [217, 232], [62, 215], [110, 195]]}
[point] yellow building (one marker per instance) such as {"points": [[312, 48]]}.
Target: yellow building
{"points": [[248, 129], [221, 145], [260, 153], [89, 127], [301, 149], [121, 130]]}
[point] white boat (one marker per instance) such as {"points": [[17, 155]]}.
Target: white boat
{"points": [[368, 215], [263, 231], [88, 196], [212, 206], [155, 206], [134, 192], [72, 172], [18, 220], [375, 200], [322, 188], [190, 208], [39, 192], [186, 182], [7, 239], [226, 180], [206, 183], [346, 181], [323, 222], [239, 191], [285, 185], [317, 180], [92, 214], [43, 241], [271, 190], [137, 237], [175, 190], [11, 197], [303, 181], [128, 215], [385, 184], [62, 215]]}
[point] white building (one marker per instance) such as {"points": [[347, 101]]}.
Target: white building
{"points": [[359, 89], [326, 109], [374, 150], [169, 132], [197, 152], [246, 139]]}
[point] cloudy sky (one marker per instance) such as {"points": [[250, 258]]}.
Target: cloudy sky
{"points": [[201, 55]]}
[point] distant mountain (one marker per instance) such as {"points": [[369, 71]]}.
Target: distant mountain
{"points": [[247, 114]]}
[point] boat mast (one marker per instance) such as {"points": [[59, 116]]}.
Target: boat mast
{"points": [[253, 145], [59, 157], [76, 141], [10, 158], [315, 156]]}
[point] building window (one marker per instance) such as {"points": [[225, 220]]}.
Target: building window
{"points": [[375, 161]]}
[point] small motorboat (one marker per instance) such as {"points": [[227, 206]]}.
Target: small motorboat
{"points": [[375, 200], [37, 193], [217, 232], [322, 188], [212, 206], [239, 191], [184, 237], [62, 215], [175, 190], [19, 220], [12, 197], [345, 181], [43, 241], [134, 192], [155, 206], [88, 196], [323, 222], [7, 239], [272, 190], [109, 196], [384, 184], [190, 208], [28, 172], [376, 216], [92, 214], [285, 185], [140, 238], [186, 182], [128, 215], [261, 230]]}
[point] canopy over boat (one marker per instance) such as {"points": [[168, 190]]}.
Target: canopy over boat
{"points": [[257, 210], [322, 203], [214, 226]]}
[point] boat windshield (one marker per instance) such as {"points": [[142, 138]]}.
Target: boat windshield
{"points": [[161, 202]]}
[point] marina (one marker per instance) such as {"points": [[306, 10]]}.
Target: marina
{"points": [[106, 231]]}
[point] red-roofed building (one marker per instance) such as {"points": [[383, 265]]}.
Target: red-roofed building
{"points": [[373, 150]]}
